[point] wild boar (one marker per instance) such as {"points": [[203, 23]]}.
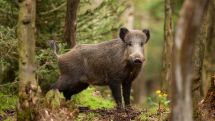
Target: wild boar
{"points": [[113, 63]]}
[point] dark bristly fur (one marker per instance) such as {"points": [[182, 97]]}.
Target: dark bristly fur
{"points": [[114, 63]]}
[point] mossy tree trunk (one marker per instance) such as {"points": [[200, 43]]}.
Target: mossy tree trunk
{"points": [[71, 22], [168, 47], [186, 34], [28, 87]]}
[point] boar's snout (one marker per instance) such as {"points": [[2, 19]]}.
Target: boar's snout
{"points": [[137, 60]]}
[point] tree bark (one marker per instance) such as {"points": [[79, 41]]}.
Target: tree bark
{"points": [[129, 15], [197, 63], [187, 30], [168, 47], [209, 58], [71, 22], [206, 108], [28, 87]]}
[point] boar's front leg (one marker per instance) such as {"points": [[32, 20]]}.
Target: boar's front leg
{"points": [[116, 92], [126, 87]]}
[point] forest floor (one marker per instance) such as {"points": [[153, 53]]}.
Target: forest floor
{"points": [[85, 114], [89, 105], [113, 114]]}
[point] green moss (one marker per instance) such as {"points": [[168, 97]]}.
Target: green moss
{"points": [[10, 119], [89, 99], [8, 102]]}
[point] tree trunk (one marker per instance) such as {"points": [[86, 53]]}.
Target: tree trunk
{"points": [[70, 22], [197, 64], [209, 50], [206, 109], [28, 87], [129, 15], [198, 56], [168, 47], [187, 30]]}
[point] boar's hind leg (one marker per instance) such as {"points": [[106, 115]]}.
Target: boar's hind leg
{"points": [[74, 89], [60, 84], [126, 87], [116, 92]]}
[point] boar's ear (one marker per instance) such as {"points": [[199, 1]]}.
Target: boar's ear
{"points": [[122, 33], [147, 32]]}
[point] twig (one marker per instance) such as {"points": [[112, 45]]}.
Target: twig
{"points": [[6, 12], [8, 84], [53, 10]]}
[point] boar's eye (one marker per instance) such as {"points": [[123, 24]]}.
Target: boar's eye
{"points": [[141, 44], [129, 44]]}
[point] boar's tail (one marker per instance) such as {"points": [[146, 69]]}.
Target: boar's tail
{"points": [[54, 47]]}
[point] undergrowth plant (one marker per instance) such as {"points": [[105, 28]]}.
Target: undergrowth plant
{"points": [[158, 107], [47, 70]]}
